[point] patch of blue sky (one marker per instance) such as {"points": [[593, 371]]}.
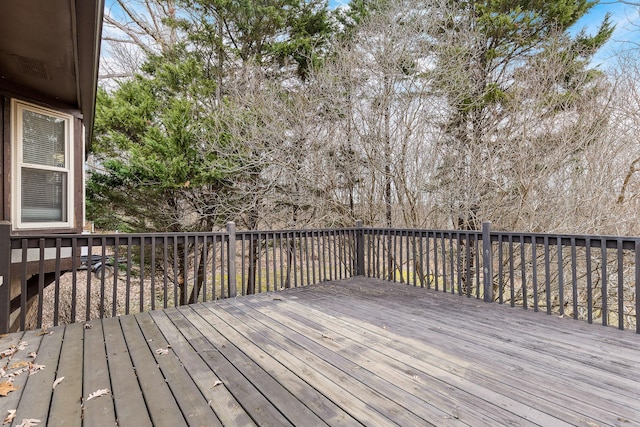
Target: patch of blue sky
{"points": [[625, 17]]}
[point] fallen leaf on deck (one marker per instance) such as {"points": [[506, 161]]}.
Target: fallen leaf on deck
{"points": [[98, 393], [22, 345], [9, 352], [416, 378], [2, 372], [19, 365], [34, 367], [28, 422], [327, 337], [162, 351], [43, 332], [88, 326], [56, 382], [33, 355], [7, 387], [10, 416], [217, 383]]}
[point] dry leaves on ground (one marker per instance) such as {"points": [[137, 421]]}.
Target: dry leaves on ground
{"points": [[10, 416], [162, 351], [57, 381], [28, 422], [7, 387], [216, 383], [98, 393]]}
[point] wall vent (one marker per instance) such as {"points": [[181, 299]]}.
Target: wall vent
{"points": [[32, 67]]}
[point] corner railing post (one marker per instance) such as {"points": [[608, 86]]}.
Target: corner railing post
{"points": [[5, 276], [359, 249], [487, 262], [231, 259]]}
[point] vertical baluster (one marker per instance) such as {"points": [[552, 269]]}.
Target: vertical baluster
{"points": [[142, 275], [165, 268], [101, 273], [74, 277], [23, 284], [523, 266], [605, 278], [41, 282], [87, 309], [214, 269], [421, 259], [175, 271], [512, 283], [114, 288], [306, 255], [153, 272], [620, 284], [500, 271], [560, 277], [477, 260], [574, 278], [547, 274], [435, 262], [452, 265], [56, 297], [128, 281], [589, 282], [428, 261], [205, 263], [266, 262], [534, 268], [259, 262], [443, 248], [295, 259]]}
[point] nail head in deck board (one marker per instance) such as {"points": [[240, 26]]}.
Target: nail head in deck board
{"points": [[66, 402], [98, 411], [193, 405], [220, 399], [162, 407], [36, 397], [131, 408], [294, 390]]}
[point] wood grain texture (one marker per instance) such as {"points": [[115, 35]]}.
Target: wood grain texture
{"points": [[351, 352]]}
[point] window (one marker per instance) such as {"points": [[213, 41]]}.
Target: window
{"points": [[42, 158]]}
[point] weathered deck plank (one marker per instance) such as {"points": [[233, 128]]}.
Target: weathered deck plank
{"points": [[99, 411], [353, 352], [219, 398], [130, 406], [193, 405]]}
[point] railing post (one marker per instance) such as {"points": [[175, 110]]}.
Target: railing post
{"points": [[231, 259], [5, 276], [487, 262], [359, 249]]}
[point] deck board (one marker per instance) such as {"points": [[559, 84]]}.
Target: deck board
{"points": [[351, 352]]}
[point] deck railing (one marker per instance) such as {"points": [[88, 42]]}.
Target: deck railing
{"points": [[46, 281]]}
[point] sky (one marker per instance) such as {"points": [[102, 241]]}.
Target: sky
{"points": [[627, 32]]}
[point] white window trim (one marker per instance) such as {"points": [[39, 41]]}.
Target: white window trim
{"points": [[17, 107]]}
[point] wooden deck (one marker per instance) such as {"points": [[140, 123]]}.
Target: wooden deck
{"points": [[353, 352]]}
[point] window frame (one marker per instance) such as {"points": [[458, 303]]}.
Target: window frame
{"points": [[17, 109]]}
